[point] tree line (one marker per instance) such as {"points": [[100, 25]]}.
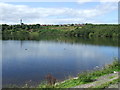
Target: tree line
{"points": [[87, 30]]}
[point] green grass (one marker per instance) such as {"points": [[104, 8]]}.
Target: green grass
{"points": [[87, 77]]}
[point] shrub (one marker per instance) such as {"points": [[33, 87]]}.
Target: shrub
{"points": [[51, 80]]}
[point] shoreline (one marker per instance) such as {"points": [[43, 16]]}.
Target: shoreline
{"points": [[87, 77], [82, 78]]}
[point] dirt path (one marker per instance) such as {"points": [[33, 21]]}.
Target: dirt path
{"points": [[101, 80], [114, 86]]}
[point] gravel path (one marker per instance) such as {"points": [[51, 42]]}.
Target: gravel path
{"points": [[101, 80], [113, 86]]}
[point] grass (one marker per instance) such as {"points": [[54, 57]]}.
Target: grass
{"points": [[87, 77]]}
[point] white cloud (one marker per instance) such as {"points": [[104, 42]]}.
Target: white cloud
{"points": [[101, 9], [13, 13], [85, 1]]}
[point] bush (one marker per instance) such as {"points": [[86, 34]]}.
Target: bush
{"points": [[91, 34]]}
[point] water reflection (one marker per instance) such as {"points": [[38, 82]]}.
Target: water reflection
{"points": [[32, 60]]}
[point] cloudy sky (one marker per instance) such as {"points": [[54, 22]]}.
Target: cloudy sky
{"points": [[59, 12]]}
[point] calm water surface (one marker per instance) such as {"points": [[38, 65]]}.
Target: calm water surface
{"points": [[33, 60]]}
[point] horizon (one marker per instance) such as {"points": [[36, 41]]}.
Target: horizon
{"points": [[63, 24]]}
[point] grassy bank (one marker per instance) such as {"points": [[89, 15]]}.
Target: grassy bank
{"points": [[87, 77]]}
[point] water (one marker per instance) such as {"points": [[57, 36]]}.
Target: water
{"points": [[31, 60]]}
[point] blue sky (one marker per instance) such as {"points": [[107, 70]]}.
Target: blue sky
{"points": [[59, 12]]}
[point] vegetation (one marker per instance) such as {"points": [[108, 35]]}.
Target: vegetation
{"points": [[87, 30], [87, 77]]}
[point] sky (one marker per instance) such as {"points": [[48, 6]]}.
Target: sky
{"points": [[59, 12]]}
